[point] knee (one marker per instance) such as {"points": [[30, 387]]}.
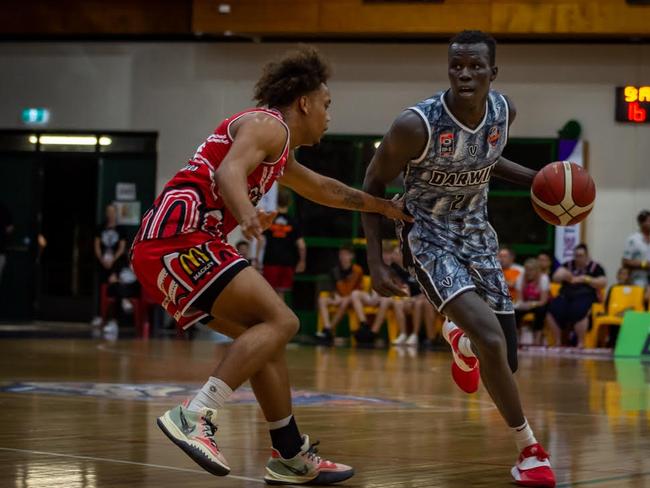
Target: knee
{"points": [[289, 325], [491, 344]]}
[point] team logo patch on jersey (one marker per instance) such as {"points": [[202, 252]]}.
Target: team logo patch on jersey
{"points": [[446, 141], [472, 149], [494, 135]]}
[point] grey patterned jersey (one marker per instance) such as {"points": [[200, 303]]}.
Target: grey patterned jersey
{"points": [[447, 187], [446, 191]]}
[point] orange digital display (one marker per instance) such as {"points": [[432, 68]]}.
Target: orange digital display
{"points": [[633, 104]]}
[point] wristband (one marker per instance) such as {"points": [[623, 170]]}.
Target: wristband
{"points": [[588, 280]]}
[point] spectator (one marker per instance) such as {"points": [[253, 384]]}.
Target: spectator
{"points": [[511, 270], [623, 278], [533, 291], [6, 228], [122, 286], [244, 249], [347, 277], [636, 256], [545, 263], [366, 334], [581, 280], [416, 306], [110, 244], [285, 252]]}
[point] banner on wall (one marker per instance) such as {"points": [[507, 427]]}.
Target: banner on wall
{"points": [[567, 238]]}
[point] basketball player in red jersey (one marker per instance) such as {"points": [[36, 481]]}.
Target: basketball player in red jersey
{"points": [[181, 257]]}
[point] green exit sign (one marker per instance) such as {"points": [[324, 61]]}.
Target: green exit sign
{"points": [[36, 116]]}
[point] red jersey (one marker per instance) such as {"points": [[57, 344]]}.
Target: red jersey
{"points": [[191, 202]]}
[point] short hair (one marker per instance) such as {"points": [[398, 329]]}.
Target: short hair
{"points": [[242, 243], [582, 246], [643, 215], [293, 75], [477, 37], [347, 247], [509, 250], [284, 197]]}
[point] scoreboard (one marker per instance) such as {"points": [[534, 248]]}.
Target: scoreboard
{"points": [[633, 104]]}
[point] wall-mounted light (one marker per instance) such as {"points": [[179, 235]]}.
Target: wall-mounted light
{"points": [[70, 140]]}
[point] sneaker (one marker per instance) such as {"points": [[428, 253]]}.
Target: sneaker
{"points": [[96, 322], [400, 339], [324, 337], [365, 335], [464, 369], [533, 468], [306, 467], [412, 340], [194, 433], [111, 330]]}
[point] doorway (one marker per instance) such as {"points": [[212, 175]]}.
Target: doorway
{"points": [[65, 277]]}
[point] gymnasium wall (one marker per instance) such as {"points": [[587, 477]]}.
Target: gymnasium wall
{"points": [[182, 90]]}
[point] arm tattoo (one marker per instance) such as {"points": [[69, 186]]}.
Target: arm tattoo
{"points": [[349, 197]]}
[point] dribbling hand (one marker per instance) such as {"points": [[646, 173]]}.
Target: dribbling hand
{"points": [[266, 218], [386, 282]]}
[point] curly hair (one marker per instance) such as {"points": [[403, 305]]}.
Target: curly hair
{"points": [[293, 75]]}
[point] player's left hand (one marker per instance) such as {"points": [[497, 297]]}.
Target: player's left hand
{"points": [[265, 218]]}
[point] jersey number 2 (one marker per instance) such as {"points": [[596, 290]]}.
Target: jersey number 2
{"points": [[457, 202]]}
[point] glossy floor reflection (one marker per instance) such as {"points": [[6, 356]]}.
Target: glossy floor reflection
{"points": [[80, 413]]}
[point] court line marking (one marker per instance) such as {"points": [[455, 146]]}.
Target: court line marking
{"points": [[120, 461]]}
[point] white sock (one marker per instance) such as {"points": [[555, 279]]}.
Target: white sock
{"points": [[213, 395], [524, 436], [465, 347], [278, 424]]}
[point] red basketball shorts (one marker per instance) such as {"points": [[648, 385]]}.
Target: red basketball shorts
{"points": [[279, 277], [186, 273]]}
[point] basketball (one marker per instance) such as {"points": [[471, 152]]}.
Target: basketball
{"points": [[563, 193]]}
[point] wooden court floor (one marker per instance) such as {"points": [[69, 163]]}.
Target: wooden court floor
{"points": [[81, 413]]}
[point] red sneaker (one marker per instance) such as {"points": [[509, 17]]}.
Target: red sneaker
{"points": [[533, 468], [464, 369]]}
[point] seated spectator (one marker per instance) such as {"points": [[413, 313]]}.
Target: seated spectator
{"points": [[636, 256], [511, 270], [545, 263], [532, 292], [347, 277], [581, 280], [283, 247], [623, 278], [367, 334], [415, 305], [244, 249], [122, 286]]}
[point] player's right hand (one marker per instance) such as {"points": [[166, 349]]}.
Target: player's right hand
{"points": [[251, 226], [386, 282]]}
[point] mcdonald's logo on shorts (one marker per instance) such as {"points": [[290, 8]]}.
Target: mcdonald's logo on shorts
{"points": [[196, 262]]}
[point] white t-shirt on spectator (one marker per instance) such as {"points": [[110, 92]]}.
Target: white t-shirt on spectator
{"points": [[544, 284], [637, 248]]}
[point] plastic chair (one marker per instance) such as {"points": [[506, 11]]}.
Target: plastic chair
{"points": [[622, 298]]}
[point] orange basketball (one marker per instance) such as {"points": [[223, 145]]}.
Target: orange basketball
{"points": [[563, 193]]}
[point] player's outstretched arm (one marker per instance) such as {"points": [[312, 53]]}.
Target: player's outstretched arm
{"points": [[257, 138], [332, 193], [513, 172], [509, 170], [405, 141]]}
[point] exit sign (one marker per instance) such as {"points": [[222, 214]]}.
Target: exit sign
{"points": [[35, 116], [633, 104]]}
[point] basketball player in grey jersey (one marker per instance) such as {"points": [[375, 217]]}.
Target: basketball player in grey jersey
{"points": [[448, 147]]}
